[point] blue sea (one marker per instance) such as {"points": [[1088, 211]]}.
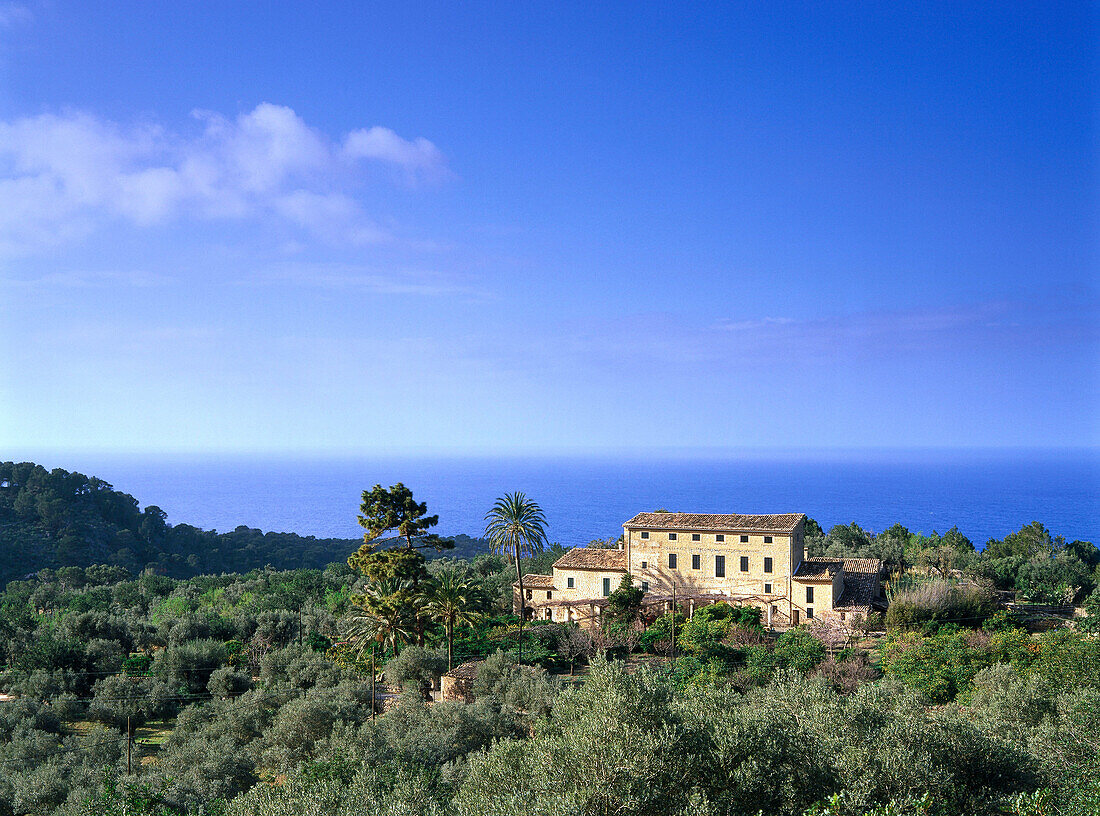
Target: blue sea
{"points": [[987, 495]]}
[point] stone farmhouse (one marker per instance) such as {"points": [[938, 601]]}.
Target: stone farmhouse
{"points": [[694, 559]]}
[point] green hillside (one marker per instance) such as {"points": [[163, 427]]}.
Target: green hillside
{"points": [[54, 518]]}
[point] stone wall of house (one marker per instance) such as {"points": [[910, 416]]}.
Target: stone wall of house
{"points": [[456, 688], [587, 584], [649, 561]]}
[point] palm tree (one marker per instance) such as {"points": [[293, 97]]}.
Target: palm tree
{"points": [[453, 596], [516, 527], [385, 619]]}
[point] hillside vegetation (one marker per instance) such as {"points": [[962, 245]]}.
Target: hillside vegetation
{"points": [[253, 694], [55, 518]]}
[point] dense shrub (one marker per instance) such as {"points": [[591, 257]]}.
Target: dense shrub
{"points": [[613, 745], [416, 668], [940, 601], [938, 667]]}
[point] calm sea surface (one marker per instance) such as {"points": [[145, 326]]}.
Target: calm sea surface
{"points": [[986, 495]]}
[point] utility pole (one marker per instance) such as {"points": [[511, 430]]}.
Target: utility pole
{"points": [[673, 652], [129, 742], [373, 678]]}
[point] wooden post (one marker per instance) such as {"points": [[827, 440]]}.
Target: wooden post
{"points": [[129, 742]]}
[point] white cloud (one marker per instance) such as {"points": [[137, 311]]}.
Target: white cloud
{"points": [[64, 176], [419, 158]]}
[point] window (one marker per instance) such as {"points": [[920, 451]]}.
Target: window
{"points": [[767, 539], [719, 566], [744, 563], [549, 594], [645, 586], [694, 536], [672, 560], [842, 616], [809, 612], [645, 564], [695, 561], [767, 589], [809, 594], [744, 539], [606, 587], [767, 564], [569, 582], [645, 533], [719, 537], [672, 536], [528, 594]]}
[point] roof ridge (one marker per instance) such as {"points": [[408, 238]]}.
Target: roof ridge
{"points": [[762, 522]]}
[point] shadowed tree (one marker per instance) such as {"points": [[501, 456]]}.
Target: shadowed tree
{"points": [[516, 527], [453, 596]]}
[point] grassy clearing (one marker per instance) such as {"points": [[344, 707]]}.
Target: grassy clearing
{"points": [[154, 733]]}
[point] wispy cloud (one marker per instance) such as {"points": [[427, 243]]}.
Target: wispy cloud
{"points": [[62, 176], [88, 279], [752, 324], [13, 14], [670, 344], [349, 278]]}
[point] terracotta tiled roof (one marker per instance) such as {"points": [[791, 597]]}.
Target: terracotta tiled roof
{"points": [[861, 578], [819, 568], [854, 568], [723, 522], [535, 581], [868, 565], [593, 559]]}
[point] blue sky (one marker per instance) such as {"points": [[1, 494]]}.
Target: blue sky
{"points": [[559, 227]]}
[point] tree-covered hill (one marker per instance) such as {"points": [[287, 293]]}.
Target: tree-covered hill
{"points": [[54, 518]]}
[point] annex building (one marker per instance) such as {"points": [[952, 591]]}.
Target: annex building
{"points": [[694, 559]]}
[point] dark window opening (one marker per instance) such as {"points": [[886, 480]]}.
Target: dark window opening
{"points": [[744, 539], [695, 561], [809, 594], [672, 560], [694, 536], [767, 565], [719, 566], [744, 563]]}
